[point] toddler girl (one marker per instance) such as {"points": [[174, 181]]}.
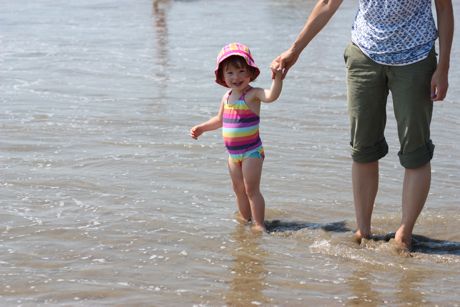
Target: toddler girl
{"points": [[239, 118]]}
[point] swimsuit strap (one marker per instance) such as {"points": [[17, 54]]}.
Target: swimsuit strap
{"points": [[244, 93], [227, 95]]}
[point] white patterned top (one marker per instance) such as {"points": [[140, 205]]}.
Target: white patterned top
{"points": [[394, 32]]}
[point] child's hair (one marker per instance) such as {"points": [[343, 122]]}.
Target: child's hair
{"points": [[237, 62]]}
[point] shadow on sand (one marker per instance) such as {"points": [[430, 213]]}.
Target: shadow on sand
{"points": [[284, 226]]}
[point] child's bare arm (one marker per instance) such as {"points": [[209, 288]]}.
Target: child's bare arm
{"points": [[270, 95], [212, 124]]}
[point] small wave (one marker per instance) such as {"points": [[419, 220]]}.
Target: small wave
{"points": [[340, 244]]}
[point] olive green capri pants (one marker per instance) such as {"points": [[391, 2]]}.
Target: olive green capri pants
{"points": [[369, 84]]}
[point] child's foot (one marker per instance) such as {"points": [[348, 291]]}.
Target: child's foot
{"points": [[259, 228], [241, 219]]}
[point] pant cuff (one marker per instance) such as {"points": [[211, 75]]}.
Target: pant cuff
{"points": [[370, 154], [417, 158]]}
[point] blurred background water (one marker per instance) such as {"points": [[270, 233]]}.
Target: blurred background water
{"points": [[105, 200]]}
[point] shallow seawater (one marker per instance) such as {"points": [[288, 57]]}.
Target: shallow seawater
{"points": [[106, 200]]}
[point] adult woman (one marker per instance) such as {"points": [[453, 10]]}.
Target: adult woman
{"points": [[392, 50]]}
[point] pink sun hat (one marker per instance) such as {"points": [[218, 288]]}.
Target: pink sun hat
{"points": [[234, 49]]}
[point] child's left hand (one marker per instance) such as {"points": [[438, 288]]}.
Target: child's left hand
{"points": [[276, 72]]}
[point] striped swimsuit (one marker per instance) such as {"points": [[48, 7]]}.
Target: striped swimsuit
{"points": [[240, 129]]}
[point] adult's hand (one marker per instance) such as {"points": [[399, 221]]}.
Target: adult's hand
{"points": [[439, 85], [439, 80], [284, 62]]}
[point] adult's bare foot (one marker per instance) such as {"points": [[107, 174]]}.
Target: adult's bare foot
{"points": [[359, 236], [402, 240]]}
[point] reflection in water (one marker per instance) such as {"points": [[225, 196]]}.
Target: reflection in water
{"points": [[361, 287], [248, 270], [406, 290], [408, 286], [160, 7]]}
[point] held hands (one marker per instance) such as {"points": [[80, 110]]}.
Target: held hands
{"points": [[284, 62], [277, 73]]}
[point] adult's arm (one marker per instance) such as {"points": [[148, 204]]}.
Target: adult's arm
{"points": [[319, 17], [440, 79]]}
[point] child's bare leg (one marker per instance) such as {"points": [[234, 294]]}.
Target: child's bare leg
{"points": [[415, 191], [236, 173], [252, 172], [365, 178]]}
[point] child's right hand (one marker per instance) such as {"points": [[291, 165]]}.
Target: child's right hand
{"points": [[195, 132]]}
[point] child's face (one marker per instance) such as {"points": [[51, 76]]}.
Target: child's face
{"points": [[237, 78]]}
